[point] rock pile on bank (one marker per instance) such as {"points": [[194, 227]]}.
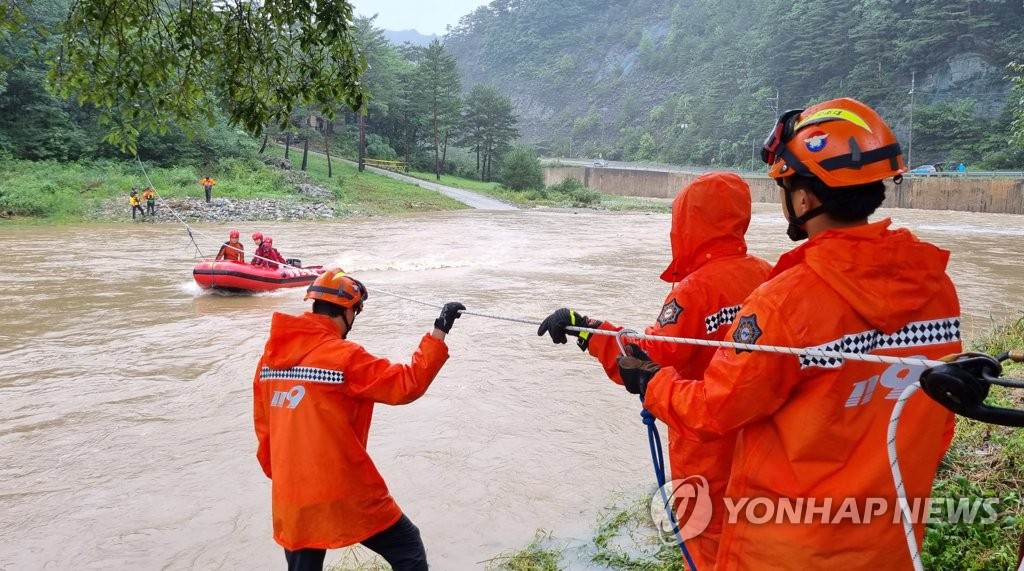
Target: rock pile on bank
{"points": [[226, 209]]}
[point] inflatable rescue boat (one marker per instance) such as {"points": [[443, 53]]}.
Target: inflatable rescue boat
{"points": [[229, 275]]}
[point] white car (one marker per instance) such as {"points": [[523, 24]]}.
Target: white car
{"points": [[600, 163]]}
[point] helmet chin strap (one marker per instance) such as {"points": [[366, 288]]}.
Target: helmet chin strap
{"points": [[348, 325], [796, 231]]}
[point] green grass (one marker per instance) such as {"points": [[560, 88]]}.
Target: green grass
{"points": [[457, 182], [537, 556], [71, 192], [367, 193], [984, 461], [551, 196]]}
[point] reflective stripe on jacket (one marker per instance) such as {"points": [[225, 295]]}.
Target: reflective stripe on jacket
{"points": [[814, 429], [313, 401]]}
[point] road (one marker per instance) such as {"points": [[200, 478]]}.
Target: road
{"points": [[467, 197]]}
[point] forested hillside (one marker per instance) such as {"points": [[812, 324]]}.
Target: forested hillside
{"points": [[701, 81]]}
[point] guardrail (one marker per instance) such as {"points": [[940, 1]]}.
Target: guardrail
{"points": [[397, 166], [552, 162]]}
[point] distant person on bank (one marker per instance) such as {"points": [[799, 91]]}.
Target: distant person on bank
{"points": [[232, 250], [208, 187], [133, 200], [150, 195], [313, 398]]}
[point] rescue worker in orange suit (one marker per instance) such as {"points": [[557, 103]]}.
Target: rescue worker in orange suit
{"points": [[712, 273], [266, 255], [232, 249], [313, 395], [149, 195], [814, 428], [208, 187]]}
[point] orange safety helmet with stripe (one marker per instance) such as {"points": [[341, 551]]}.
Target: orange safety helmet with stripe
{"points": [[842, 142], [337, 287]]}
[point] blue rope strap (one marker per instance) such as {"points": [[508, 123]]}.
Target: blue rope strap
{"points": [[658, 457]]}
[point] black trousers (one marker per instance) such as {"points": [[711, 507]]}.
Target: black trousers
{"points": [[139, 208], [209, 190], [400, 545], [151, 208]]}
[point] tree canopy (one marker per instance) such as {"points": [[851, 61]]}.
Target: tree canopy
{"points": [[151, 65]]}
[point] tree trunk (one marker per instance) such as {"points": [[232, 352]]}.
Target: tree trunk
{"points": [[327, 151], [362, 140], [437, 158], [305, 152], [287, 144], [479, 174], [266, 136], [444, 153]]}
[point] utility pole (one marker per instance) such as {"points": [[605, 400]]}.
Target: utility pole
{"points": [[910, 139], [773, 104]]}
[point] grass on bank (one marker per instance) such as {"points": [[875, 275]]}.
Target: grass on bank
{"points": [[366, 193], [65, 192], [983, 462], [52, 192], [570, 193]]}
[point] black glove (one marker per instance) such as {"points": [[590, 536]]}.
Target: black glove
{"points": [[636, 373], [555, 324], [449, 313], [634, 350]]}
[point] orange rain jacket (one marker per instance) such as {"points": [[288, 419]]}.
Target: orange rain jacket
{"points": [[231, 251], [714, 274], [313, 397], [814, 429]]}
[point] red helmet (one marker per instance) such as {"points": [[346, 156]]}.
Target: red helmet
{"points": [[334, 286], [842, 142], [233, 234], [268, 240], [257, 235]]}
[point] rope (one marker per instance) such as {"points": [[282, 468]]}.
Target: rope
{"points": [[654, 438], [897, 476], [658, 457], [812, 352], [191, 231]]}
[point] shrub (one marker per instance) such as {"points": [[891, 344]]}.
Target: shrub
{"points": [[520, 170]]}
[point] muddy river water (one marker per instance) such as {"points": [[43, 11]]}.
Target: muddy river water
{"points": [[126, 436]]}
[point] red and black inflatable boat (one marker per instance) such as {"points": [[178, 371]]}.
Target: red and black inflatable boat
{"points": [[229, 275]]}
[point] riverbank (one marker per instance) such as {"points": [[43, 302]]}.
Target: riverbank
{"points": [[60, 193]]}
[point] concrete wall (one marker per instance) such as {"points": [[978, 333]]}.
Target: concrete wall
{"points": [[997, 195]]}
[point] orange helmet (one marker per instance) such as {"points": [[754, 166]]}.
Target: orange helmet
{"points": [[842, 142], [257, 236], [233, 234], [334, 286]]}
